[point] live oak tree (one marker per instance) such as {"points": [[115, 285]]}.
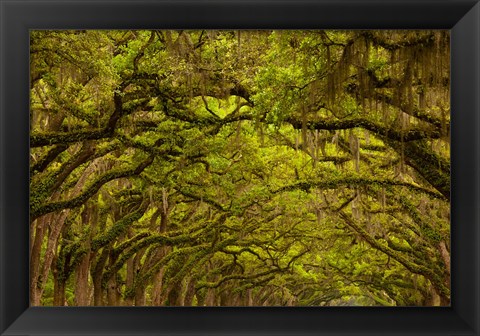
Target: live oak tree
{"points": [[240, 168]]}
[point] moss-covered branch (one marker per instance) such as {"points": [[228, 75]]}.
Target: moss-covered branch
{"points": [[38, 210], [40, 165], [51, 138], [377, 128], [357, 181], [433, 168]]}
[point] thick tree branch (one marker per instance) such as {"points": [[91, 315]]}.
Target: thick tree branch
{"points": [[39, 210], [357, 181], [380, 130]]}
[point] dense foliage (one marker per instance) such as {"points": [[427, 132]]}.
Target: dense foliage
{"points": [[240, 168]]}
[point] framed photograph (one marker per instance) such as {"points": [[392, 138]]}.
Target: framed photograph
{"points": [[236, 167]]}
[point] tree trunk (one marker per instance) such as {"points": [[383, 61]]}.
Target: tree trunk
{"points": [[56, 226], [139, 296], [97, 274], [174, 295], [89, 218], [200, 295], [189, 293], [81, 282], [129, 280], [158, 299], [35, 293], [59, 292], [210, 297], [112, 292]]}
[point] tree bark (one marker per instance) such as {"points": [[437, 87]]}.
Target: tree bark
{"points": [[59, 291], [82, 297], [189, 293], [35, 293]]}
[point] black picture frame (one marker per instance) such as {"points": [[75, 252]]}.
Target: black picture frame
{"points": [[17, 17]]}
